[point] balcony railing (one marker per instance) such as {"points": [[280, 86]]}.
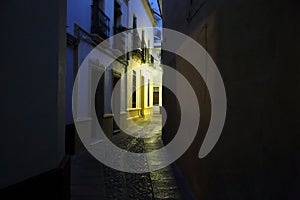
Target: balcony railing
{"points": [[120, 41], [136, 43], [157, 35], [100, 22], [138, 54], [136, 40]]}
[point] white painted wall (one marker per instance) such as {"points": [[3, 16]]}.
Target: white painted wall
{"points": [[83, 110], [137, 8], [78, 12]]}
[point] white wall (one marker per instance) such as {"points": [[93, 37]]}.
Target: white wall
{"points": [[109, 11], [137, 8], [84, 83], [79, 12]]}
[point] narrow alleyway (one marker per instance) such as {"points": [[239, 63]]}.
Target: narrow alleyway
{"points": [[93, 180]]}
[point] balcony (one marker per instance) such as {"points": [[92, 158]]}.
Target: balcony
{"points": [[157, 35], [119, 42], [138, 54], [136, 40], [100, 22], [136, 43]]}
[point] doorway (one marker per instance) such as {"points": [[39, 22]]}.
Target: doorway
{"points": [[116, 103], [156, 96], [142, 95]]}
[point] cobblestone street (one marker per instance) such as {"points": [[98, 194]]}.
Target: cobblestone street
{"points": [[108, 183]]}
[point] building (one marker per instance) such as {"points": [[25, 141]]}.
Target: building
{"points": [[158, 73], [88, 24], [33, 155], [141, 103], [254, 46], [254, 43]]}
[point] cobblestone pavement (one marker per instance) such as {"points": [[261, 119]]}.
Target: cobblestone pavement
{"points": [[93, 180], [158, 185]]}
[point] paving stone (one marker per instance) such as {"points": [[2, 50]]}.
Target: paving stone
{"points": [[117, 185]]}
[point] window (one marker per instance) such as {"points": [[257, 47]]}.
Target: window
{"points": [[117, 17], [144, 58], [148, 92], [155, 95], [135, 37], [133, 89], [134, 24], [101, 4]]}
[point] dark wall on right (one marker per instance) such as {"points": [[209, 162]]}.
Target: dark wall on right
{"points": [[256, 47]]}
